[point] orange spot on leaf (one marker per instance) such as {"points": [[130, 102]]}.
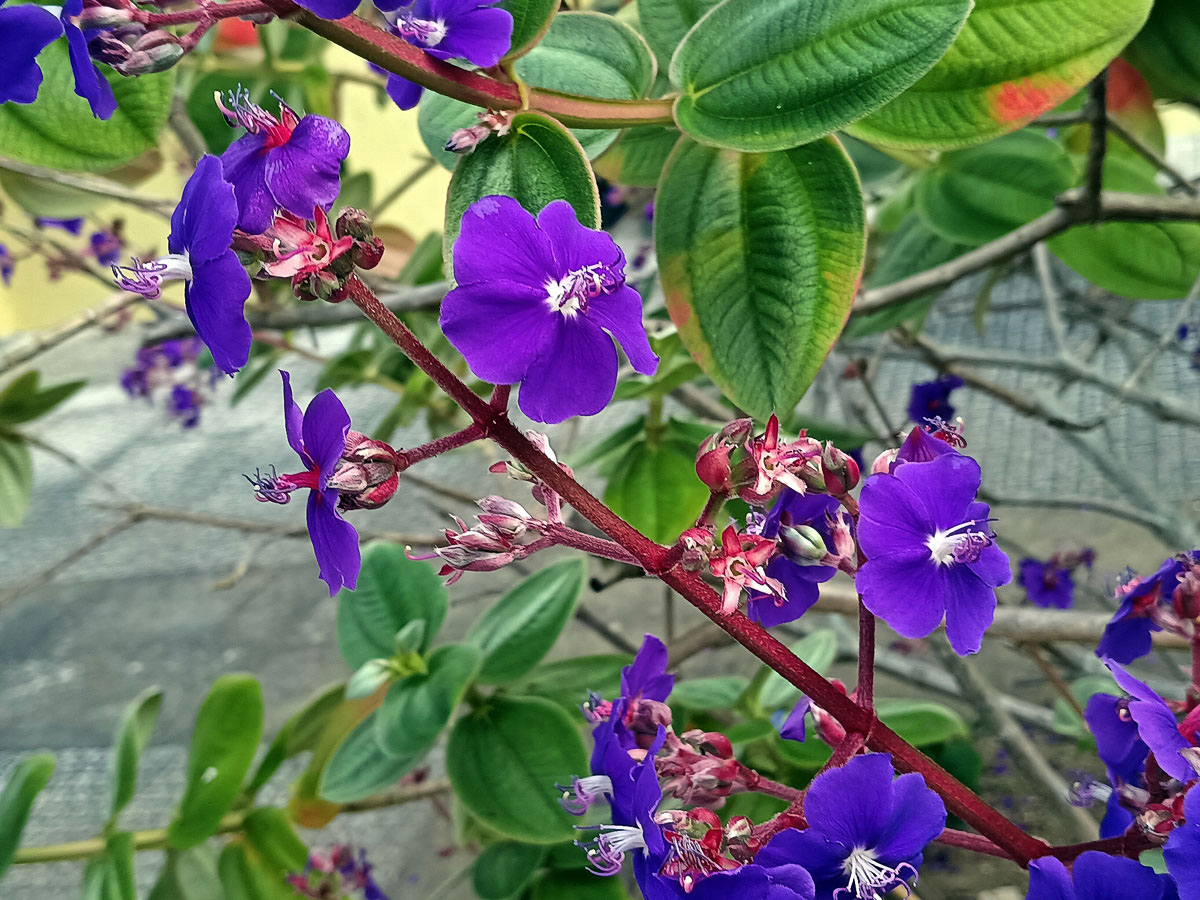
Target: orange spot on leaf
{"points": [[1020, 101]]}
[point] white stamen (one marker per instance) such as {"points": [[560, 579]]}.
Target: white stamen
{"points": [[944, 546], [623, 838], [869, 878]]}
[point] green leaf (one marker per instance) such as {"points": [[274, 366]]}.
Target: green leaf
{"points": [[583, 53], [612, 446], [503, 870], [95, 878], [191, 875], [1164, 51], [562, 885], [306, 806], [921, 723], [59, 131], [524, 624], [665, 22], [417, 708], [1013, 61], [504, 759], [299, 733], [656, 490], [393, 590], [22, 400], [568, 681], [360, 766], [760, 257], [764, 75], [228, 727], [531, 21], [809, 756], [638, 156], [537, 162], [873, 165], [982, 193], [120, 883], [1146, 261], [16, 481], [16, 800], [132, 736], [818, 649], [718, 692], [263, 361], [748, 731], [269, 831]]}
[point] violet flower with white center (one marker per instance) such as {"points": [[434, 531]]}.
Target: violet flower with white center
{"points": [[318, 435], [1093, 876], [867, 830], [1047, 584], [90, 83], [1156, 724], [799, 575], [536, 303], [930, 551], [931, 399], [292, 162], [215, 284], [25, 31]]}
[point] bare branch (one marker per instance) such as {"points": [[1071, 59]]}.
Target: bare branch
{"points": [[42, 342], [92, 184]]}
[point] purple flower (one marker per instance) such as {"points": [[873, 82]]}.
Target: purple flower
{"points": [[6, 260], [1127, 635], [90, 83], [867, 832], [106, 247], [319, 439], [1097, 876], [793, 728], [172, 364], [646, 677], [184, 404], [73, 226], [930, 551], [1120, 748], [216, 285], [931, 399], [447, 29], [291, 162], [1182, 851], [25, 31], [798, 576], [1046, 584], [1156, 724], [534, 301]]}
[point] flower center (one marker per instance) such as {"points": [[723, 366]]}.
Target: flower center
{"points": [[961, 544], [238, 109], [147, 278], [426, 32], [570, 294], [606, 853], [869, 878], [276, 488], [689, 861]]}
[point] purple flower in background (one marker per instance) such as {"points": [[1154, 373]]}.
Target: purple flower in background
{"points": [[793, 728], [6, 262], [339, 874], [90, 83], [73, 226], [216, 285], [292, 162], [25, 31], [1156, 724], [1097, 876], [1127, 636], [931, 399], [536, 302], [798, 575], [930, 551], [184, 404], [106, 247], [867, 830], [319, 438], [1047, 584], [173, 364], [1182, 851], [473, 30]]}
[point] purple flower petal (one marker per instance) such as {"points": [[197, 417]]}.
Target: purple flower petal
{"points": [[245, 162], [799, 585], [992, 567], [947, 485], [1118, 745], [324, 429], [500, 241], [1156, 724], [293, 418], [404, 93], [793, 728], [1117, 818], [646, 677], [890, 585], [970, 608], [1182, 851], [24, 32], [500, 327], [790, 882], [1099, 876], [481, 35], [621, 315], [920, 446], [822, 858], [334, 540], [304, 172], [851, 805], [893, 517], [1049, 880], [90, 84], [576, 247], [330, 9], [918, 816], [574, 375], [203, 222], [1125, 640], [215, 300]]}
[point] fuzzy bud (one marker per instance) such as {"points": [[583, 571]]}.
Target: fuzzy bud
{"points": [[802, 544], [883, 463], [96, 16], [353, 223], [155, 51], [465, 140], [839, 470], [370, 676]]}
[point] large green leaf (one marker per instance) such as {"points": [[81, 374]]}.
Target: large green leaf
{"points": [[979, 194], [654, 487], [228, 727], [360, 766], [190, 875], [16, 481], [418, 707], [577, 886], [920, 722], [393, 590], [23, 400], [270, 833], [59, 131], [531, 20], [16, 800], [665, 22], [537, 162], [504, 759], [772, 74], [132, 736], [1165, 50], [717, 692], [638, 156], [818, 649], [243, 877], [568, 681], [1013, 61], [583, 53], [1145, 261], [503, 869], [524, 624], [760, 256]]}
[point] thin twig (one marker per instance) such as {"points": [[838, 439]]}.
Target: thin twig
{"points": [[1152, 156], [92, 184], [1095, 111]]}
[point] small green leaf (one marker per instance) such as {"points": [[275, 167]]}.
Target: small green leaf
{"points": [[418, 707], [306, 807], [228, 727], [568, 681], [503, 870], [718, 692], [504, 759], [1164, 51], [656, 490], [270, 833], [16, 481], [531, 21], [537, 162], [16, 800], [299, 733], [760, 257], [818, 649], [764, 75], [524, 624], [190, 875], [22, 400], [638, 156], [360, 766], [243, 876], [982, 193], [132, 736], [120, 883], [59, 131], [95, 878], [665, 22], [921, 723], [393, 590], [809, 756]]}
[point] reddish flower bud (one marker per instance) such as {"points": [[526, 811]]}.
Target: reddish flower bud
{"points": [[713, 468], [839, 470]]}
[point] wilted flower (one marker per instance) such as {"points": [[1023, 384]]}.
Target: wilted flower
{"points": [[739, 563]]}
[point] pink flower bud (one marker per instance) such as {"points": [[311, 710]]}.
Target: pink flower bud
{"points": [[883, 463], [839, 470]]}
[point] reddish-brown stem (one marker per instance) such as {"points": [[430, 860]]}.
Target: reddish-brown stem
{"points": [[401, 58], [865, 692], [959, 800], [1131, 844], [201, 14], [569, 537], [845, 751], [500, 396], [413, 455], [716, 499], [759, 784], [966, 840]]}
